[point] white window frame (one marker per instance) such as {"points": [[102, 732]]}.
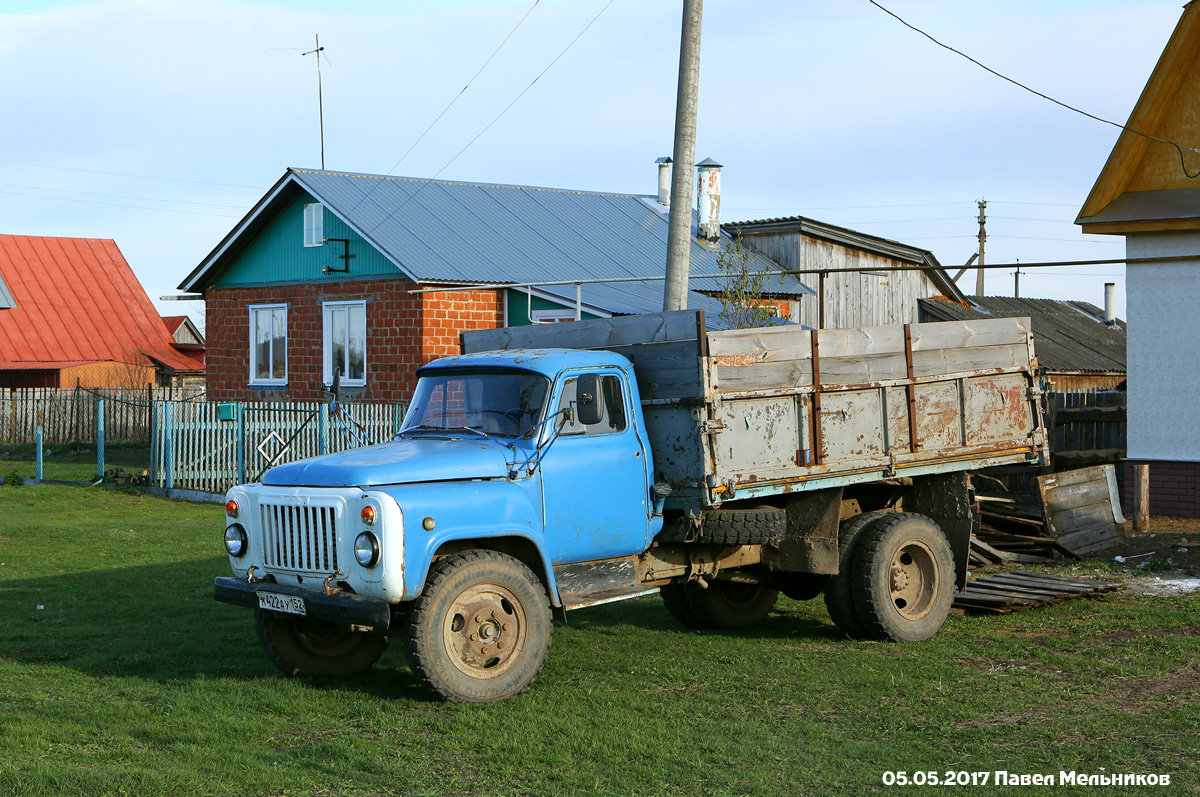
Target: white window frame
{"points": [[269, 381], [551, 316], [327, 341], [314, 224]]}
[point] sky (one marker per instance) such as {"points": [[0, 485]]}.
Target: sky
{"points": [[159, 123]]}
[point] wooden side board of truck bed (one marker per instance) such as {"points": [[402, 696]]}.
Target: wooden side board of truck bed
{"points": [[756, 412]]}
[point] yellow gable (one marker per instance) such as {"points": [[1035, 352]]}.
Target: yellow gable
{"points": [[1144, 186]]}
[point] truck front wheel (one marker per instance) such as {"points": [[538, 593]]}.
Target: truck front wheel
{"points": [[299, 646], [903, 578], [481, 630]]}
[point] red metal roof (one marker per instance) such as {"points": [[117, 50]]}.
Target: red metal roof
{"points": [[77, 300], [173, 322]]}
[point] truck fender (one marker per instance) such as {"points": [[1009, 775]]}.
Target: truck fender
{"points": [[519, 546]]}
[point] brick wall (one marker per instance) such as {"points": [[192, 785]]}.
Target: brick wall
{"points": [[1174, 487], [447, 314], [404, 332]]}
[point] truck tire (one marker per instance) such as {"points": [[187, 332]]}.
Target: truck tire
{"points": [[481, 629], [730, 605], [798, 586], [838, 598], [758, 526], [674, 597], [299, 646], [902, 578]]}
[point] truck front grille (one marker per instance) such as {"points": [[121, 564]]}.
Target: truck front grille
{"points": [[300, 538]]}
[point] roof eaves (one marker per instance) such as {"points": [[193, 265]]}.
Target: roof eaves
{"points": [[299, 175], [214, 261]]}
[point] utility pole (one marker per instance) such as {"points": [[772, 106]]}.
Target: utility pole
{"points": [[320, 101], [683, 156], [1017, 281], [982, 240]]}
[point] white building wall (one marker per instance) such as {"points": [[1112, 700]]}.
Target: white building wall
{"points": [[1163, 308]]}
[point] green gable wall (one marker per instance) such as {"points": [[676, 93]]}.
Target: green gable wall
{"points": [[519, 310], [279, 253]]}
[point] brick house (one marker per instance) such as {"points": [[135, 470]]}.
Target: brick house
{"points": [[321, 273]]}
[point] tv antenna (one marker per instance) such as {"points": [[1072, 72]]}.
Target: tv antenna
{"points": [[320, 102]]}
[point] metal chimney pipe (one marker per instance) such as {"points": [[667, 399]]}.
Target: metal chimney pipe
{"points": [[1110, 303], [664, 181], [709, 192]]}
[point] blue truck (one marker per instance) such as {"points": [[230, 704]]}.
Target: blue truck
{"points": [[554, 467]]}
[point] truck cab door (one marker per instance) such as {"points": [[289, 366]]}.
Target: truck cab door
{"points": [[594, 484]]}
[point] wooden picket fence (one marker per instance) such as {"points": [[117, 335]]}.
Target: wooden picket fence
{"points": [[194, 449], [1087, 428], [68, 415]]}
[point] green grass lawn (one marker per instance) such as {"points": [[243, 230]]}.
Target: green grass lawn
{"points": [[72, 461], [120, 675]]}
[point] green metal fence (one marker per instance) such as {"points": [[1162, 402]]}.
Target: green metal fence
{"points": [[211, 447]]}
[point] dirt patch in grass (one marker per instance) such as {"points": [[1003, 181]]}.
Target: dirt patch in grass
{"points": [[1173, 543], [1183, 680], [1132, 696]]}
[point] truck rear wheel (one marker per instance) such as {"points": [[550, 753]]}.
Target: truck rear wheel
{"points": [[758, 526], [903, 578], [481, 630], [730, 604], [838, 598], [299, 646]]}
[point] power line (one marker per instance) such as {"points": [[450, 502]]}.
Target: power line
{"points": [[121, 196], [136, 176], [119, 205], [1068, 240], [908, 221], [1182, 162], [449, 105], [496, 119], [862, 207], [1043, 204], [1027, 218]]}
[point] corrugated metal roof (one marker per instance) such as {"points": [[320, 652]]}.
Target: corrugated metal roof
{"points": [[78, 301], [439, 231], [1067, 335]]}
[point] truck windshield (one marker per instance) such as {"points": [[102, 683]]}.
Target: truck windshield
{"points": [[501, 402]]}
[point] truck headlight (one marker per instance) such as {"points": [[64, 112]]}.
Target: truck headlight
{"points": [[235, 540], [366, 549]]}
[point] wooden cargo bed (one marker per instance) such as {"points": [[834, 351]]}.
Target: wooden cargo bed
{"points": [[746, 413]]}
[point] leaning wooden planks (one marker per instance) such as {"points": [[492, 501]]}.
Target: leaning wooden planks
{"points": [[1083, 514], [1009, 592]]}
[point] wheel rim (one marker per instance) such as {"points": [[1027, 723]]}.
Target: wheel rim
{"points": [[484, 631], [913, 580], [324, 639]]}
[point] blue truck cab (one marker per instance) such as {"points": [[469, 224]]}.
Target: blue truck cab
{"points": [[528, 460], [555, 467]]}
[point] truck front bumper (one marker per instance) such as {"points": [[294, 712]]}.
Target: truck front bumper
{"points": [[341, 607]]}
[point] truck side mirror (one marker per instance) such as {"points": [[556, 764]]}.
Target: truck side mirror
{"points": [[590, 408]]}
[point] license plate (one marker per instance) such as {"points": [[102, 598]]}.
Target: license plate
{"points": [[289, 604]]}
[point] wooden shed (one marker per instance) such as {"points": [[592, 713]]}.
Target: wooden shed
{"points": [[823, 253]]}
